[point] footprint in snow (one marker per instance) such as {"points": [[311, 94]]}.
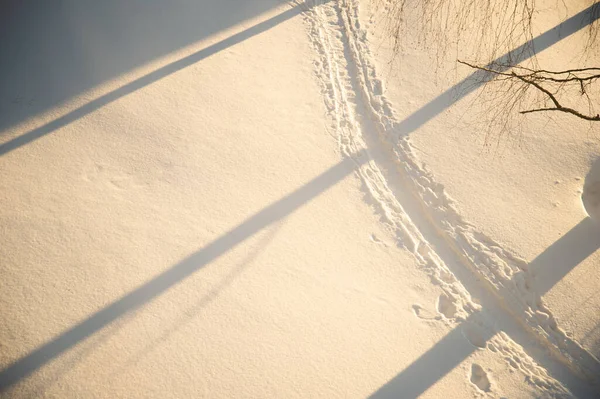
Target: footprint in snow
{"points": [[479, 378], [475, 335], [446, 306], [376, 240], [424, 314]]}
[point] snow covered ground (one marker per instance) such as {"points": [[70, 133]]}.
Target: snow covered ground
{"points": [[243, 199]]}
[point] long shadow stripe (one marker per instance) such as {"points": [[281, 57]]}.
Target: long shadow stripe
{"points": [[159, 284], [146, 80], [478, 78], [431, 367]]}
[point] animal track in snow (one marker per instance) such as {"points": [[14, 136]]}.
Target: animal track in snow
{"points": [[109, 176]]}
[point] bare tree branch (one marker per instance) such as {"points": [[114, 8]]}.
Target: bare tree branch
{"points": [[534, 79], [514, 82], [567, 110]]}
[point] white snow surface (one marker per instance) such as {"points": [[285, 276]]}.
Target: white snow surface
{"points": [[230, 199]]}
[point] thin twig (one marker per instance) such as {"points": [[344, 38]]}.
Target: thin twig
{"points": [[567, 110]]}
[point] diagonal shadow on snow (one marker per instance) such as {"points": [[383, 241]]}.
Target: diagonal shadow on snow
{"points": [[407, 126], [432, 366], [422, 373], [149, 79], [169, 278], [52, 51], [549, 268], [478, 78]]}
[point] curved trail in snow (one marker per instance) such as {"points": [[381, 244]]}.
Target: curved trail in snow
{"points": [[486, 287]]}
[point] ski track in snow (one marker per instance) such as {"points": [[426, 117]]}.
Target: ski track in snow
{"points": [[364, 120]]}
